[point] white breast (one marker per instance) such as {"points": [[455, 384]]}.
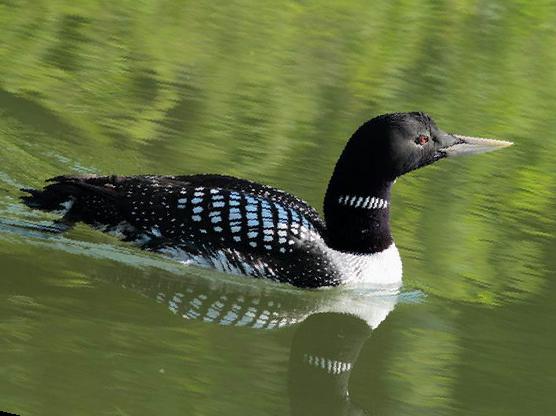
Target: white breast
{"points": [[378, 269]]}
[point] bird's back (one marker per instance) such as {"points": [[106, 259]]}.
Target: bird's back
{"points": [[231, 224]]}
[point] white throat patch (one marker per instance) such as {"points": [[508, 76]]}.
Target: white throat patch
{"points": [[369, 202]]}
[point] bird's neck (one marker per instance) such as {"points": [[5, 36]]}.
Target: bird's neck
{"points": [[357, 214]]}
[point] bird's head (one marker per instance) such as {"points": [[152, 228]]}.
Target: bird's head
{"points": [[391, 145]]}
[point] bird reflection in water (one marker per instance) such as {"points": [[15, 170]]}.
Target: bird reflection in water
{"points": [[331, 328], [324, 351]]}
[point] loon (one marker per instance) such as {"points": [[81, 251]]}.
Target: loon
{"points": [[242, 227]]}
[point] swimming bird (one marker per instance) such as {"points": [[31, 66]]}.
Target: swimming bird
{"points": [[242, 227]]}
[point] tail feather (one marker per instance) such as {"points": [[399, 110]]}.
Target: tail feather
{"points": [[51, 198], [32, 200], [91, 199], [82, 198]]}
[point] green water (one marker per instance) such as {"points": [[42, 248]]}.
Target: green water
{"points": [[271, 91]]}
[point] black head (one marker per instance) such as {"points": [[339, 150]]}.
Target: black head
{"points": [[391, 145], [380, 151]]}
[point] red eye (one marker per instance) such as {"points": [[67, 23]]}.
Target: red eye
{"points": [[422, 140]]}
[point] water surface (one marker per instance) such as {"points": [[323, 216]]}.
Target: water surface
{"points": [[270, 91]]}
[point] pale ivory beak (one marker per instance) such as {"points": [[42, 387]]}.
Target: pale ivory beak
{"points": [[466, 145]]}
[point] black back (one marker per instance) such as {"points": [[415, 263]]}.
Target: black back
{"points": [[234, 225]]}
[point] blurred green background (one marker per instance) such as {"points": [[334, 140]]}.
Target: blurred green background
{"points": [[270, 91]]}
